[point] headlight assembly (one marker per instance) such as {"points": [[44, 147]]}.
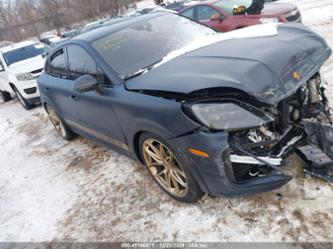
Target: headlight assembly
{"points": [[25, 76], [228, 116]]}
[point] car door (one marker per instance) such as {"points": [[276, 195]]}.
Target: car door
{"points": [[57, 87], [95, 108]]}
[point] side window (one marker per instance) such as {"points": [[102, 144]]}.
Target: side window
{"points": [[81, 63], [57, 65], [189, 13], [205, 12]]}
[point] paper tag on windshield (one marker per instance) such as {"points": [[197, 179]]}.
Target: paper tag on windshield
{"points": [[39, 46]]}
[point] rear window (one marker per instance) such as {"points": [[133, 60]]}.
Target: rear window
{"points": [[24, 53]]}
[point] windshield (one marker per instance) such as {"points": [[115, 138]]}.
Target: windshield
{"points": [[147, 42], [24, 53], [229, 5]]}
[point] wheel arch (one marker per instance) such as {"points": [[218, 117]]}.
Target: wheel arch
{"points": [[136, 145], [177, 149], [12, 86]]}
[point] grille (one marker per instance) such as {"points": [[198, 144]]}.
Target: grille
{"points": [[30, 90]]}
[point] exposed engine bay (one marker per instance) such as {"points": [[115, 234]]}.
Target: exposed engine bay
{"points": [[302, 124]]}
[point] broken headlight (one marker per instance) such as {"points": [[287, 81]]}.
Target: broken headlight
{"points": [[228, 116]]}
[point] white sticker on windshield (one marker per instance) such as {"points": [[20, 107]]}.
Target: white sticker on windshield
{"points": [[39, 46]]}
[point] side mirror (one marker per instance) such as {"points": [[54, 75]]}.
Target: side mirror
{"points": [[45, 54], [85, 83], [2, 69], [216, 17]]}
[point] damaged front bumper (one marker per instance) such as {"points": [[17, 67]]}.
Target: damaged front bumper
{"points": [[216, 175], [226, 173]]}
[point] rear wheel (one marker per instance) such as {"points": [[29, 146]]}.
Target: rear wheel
{"points": [[167, 169], [5, 96], [63, 130], [22, 100]]}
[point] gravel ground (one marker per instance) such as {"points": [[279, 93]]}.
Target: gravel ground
{"points": [[53, 190]]}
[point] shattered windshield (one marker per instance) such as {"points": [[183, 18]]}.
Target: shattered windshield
{"points": [[145, 43]]}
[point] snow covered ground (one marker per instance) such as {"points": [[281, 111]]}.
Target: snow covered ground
{"points": [[53, 190]]}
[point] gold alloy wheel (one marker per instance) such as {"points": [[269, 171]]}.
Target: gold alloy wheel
{"points": [[58, 125], [165, 168]]}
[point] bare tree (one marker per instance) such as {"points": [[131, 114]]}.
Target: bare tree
{"points": [[24, 18], [28, 13], [8, 18], [50, 10]]}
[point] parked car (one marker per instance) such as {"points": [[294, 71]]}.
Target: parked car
{"points": [[175, 5], [70, 33], [48, 40], [205, 112], [20, 66], [222, 15], [94, 25], [140, 12]]}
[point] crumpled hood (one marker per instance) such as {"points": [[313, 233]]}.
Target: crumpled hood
{"points": [[28, 65], [261, 66]]}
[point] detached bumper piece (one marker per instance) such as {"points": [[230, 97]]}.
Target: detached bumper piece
{"points": [[319, 164], [318, 154], [314, 144]]}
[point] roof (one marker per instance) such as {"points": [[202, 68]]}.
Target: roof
{"points": [[16, 46], [119, 25]]}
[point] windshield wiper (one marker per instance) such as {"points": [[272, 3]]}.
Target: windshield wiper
{"points": [[139, 72]]}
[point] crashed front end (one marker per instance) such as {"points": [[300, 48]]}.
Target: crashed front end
{"points": [[254, 105], [302, 123], [247, 142]]}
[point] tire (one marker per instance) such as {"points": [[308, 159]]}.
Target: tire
{"points": [[5, 96], [22, 100], [177, 181], [62, 129]]}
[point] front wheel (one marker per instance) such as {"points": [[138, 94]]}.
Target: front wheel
{"points": [[63, 130], [23, 101], [167, 169], [5, 96]]}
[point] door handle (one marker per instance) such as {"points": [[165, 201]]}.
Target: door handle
{"points": [[75, 98]]}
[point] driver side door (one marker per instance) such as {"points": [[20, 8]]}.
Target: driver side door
{"points": [[96, 109]]}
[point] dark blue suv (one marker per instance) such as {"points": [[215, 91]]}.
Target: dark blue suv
{"points": [[205, 112]]}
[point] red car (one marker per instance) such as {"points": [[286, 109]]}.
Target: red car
{"points": [[221, 14]]}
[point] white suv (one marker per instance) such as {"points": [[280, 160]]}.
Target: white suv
{"points": [[20, 66]]}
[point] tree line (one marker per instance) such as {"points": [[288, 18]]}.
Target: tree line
{"points": [[21, 19]]}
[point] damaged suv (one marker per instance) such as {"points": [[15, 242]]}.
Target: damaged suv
{"points": [[205, 112]]}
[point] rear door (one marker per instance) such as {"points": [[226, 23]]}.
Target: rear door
{"points": [[57, 87]]}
